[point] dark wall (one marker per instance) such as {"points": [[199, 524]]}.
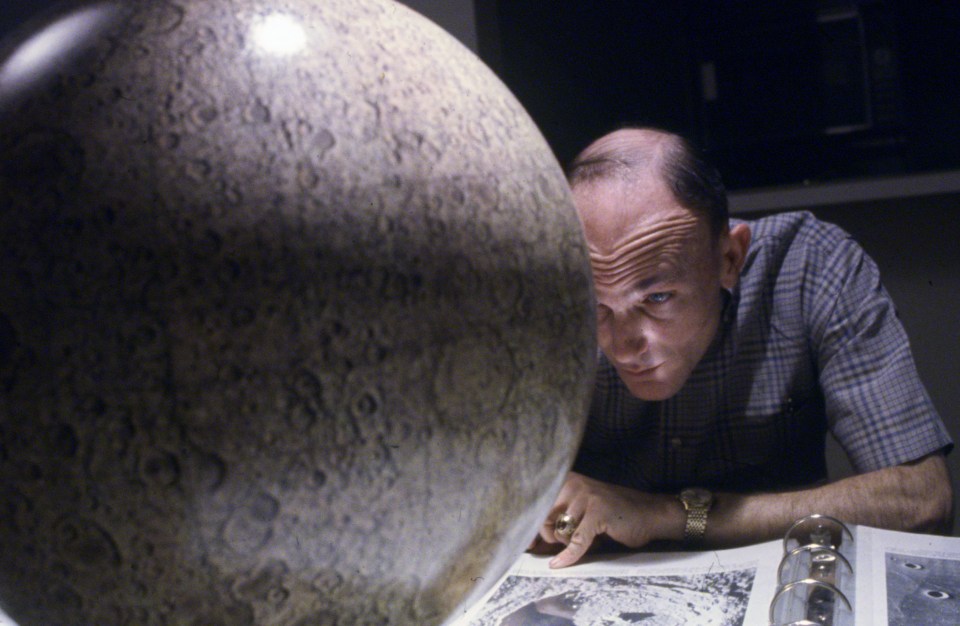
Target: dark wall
{"points": [[782, 102], [580, 68], [14, 12]]}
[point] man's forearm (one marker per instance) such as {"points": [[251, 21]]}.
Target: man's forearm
{"points": [[916, 497]]}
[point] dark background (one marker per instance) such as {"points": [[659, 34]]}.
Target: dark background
{"points": [[13, 12], [805, 90]]}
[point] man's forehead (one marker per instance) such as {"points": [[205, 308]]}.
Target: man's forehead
{"points": [[619, 214]]}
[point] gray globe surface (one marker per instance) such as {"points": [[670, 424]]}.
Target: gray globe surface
{"points": [[296, 320]]}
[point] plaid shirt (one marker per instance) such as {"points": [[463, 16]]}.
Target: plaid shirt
{"points": [[809, 340]]}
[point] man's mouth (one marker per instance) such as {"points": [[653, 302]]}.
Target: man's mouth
{"points": [[641, 371]]}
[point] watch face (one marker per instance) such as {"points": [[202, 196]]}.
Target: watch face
{"points": [[695, 496]]}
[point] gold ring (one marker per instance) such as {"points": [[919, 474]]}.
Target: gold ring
{"points": [[565, 526]]}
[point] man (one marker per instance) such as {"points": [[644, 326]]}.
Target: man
{"points": [[728, 350]]}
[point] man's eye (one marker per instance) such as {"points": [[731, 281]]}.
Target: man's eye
{"points": [[658, 298]]}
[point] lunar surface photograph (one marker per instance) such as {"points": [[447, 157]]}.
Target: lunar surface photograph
{"points": [[709, 599], [922, 590]]}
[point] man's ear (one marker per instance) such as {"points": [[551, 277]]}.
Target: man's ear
{"points": [[734, 253]]}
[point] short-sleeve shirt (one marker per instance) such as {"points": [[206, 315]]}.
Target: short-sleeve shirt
{"points": [[809, 341]]}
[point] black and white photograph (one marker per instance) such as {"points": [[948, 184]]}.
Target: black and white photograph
{"points": [[709, 599], [922, 590]]}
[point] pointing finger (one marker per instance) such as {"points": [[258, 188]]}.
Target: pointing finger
{"points": [[580, 542]]}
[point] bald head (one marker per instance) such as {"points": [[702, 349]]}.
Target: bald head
{"points": [[632, 154]]}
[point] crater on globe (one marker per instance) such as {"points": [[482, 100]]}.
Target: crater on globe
{"points": [[297, 324]]}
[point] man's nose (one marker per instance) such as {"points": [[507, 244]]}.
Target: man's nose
{"points": [[627, 339]]}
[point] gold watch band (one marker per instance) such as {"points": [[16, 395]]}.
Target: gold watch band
{"points": [[696, 502], [696, 526]]}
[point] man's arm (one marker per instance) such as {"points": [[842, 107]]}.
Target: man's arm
{"points": [[916, 496]]}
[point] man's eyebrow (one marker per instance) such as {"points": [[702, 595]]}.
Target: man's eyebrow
{"points": [[660, 277]]}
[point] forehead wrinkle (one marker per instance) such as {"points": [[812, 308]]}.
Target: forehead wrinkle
{"points": [[637, 276], [681, 225], [645, 251], [652, 268]]}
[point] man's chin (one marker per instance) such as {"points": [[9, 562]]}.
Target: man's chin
{"points": [[649, 388]]}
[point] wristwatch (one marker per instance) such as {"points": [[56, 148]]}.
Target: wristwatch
{"points": [[696, 502]]}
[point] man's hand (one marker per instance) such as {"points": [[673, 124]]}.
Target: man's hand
{"points": [[629, 517], [915, 496]]}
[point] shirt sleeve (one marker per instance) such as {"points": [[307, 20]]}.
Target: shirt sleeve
{"points": [[876, 405]]}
